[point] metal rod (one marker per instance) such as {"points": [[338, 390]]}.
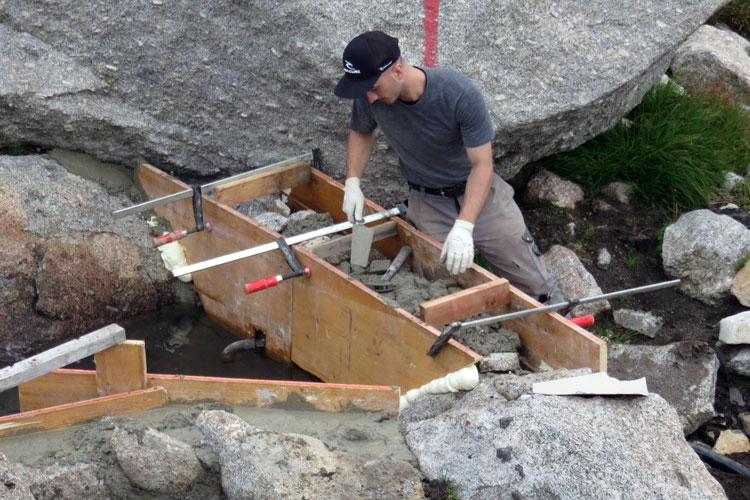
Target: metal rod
{"points": [[206, 188], [554, 307], [224, 259]]}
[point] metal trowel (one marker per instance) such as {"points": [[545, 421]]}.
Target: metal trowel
{"points": [[361, 243]]}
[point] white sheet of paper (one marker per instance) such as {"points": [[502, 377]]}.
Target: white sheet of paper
{"points": [[596, 384]]}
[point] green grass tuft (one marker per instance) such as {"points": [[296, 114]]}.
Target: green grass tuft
{"points": [[736, 15], [674, 151]]}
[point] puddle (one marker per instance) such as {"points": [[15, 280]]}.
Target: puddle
{"points": [[184, 340]]}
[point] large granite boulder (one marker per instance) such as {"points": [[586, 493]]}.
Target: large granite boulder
{"points": [[702, 248], [712, 56], [67, 267], [213, 87], [498, 445]]}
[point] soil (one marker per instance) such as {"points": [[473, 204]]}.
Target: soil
{"points": [[631, 235]]}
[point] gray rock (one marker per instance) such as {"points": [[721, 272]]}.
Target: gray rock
{"points": [[739, 362], [66, 482], [731, 180], [13, 482], [272, 220], [603, 258], [702, 249], [548, 187], [155, 461], [715, 56], [500, 362], [641, 321], [305, 221], [683, 373], [741, 285], [745, 420], [551, 447], [379, 266], [618, 191], [58, 237], [256, 463], [735, 329], [257, 84], [574, 279]]}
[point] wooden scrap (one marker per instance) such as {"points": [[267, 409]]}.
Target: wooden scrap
{"points": [[121, 368], [60, 356]]}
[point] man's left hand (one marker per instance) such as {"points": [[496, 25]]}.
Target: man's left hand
{"points": [[458, 249]]}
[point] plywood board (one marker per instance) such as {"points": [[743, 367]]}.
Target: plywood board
{"points": [[263, 184], [69, 414], [220, 288], [238, 392], [121, 368], [61, 355], [465, 303]]}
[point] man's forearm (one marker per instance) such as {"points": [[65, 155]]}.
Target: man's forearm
{"points": [[358, 151], [479, 182]]}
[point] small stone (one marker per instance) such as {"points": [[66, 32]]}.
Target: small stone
{"points": [[731, 180], [732, 441], [619, 192], [641, 321], [728, 207], [379, 266], [735, 397], [604, 259], [745, 421], [500, 362], [603, 206], [571, 229], [741, 285], [735, 329]]}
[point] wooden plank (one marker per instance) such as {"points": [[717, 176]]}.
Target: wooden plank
{"points": [[69, 414], [343, 244], [220, 288], [263, 184], [121, 368], [465, 303], [61, 355], [57, 388], [237, 392], [553, 339], [345, 332]]}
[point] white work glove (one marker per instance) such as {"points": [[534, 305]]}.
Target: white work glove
{"points": [[354, 200], [458, 249]]}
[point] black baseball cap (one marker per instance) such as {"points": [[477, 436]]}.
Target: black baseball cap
{"points": [[365, 59]]}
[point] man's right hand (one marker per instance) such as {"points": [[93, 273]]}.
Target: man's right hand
{"points": [[354, 200]]}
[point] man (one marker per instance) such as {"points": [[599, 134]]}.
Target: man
{"points": [[437, 122]]}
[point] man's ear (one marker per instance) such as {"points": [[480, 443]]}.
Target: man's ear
{"points": [[398, 70]]}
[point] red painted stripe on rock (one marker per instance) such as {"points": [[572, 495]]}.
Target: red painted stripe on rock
{"points": [[430, 21]]}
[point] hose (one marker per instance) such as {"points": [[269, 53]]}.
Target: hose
{"points": [[240, 345], [718, 460]]}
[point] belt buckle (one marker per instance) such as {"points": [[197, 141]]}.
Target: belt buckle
{"points": [[443, 193]]}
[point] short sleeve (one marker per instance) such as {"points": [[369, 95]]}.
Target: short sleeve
{"points": [[473, 117], [362, 119]]}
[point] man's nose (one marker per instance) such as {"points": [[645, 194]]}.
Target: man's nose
{"points": [[371, 96]]}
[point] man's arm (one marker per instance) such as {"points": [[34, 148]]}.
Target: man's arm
{"points": [[358, 151], [479, 182]]}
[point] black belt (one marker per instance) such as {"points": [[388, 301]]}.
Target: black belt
{"points": [[446, 192]]}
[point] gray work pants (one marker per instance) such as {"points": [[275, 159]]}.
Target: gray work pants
{"points": [[500, 234]]}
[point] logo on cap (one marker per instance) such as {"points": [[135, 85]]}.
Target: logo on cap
{"points": [[383, 67], [350, 68]]}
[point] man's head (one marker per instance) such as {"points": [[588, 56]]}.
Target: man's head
{"points": [[366, 59]]}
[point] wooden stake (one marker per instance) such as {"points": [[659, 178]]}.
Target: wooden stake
{"points": [[121, 368]]}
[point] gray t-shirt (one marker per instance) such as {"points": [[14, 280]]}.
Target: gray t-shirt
{"points": [[431, 135]]}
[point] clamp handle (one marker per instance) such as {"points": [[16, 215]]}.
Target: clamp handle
{"points": [[262, 284], [178, 235], [583, 321]]}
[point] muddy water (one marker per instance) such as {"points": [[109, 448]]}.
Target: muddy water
{"points": [[184, 340]]}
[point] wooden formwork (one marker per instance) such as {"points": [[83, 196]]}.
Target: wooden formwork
{"points": [[332, 325]]}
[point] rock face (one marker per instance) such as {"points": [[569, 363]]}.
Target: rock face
{"points": [[712, 56], [256, 463], [683, 373], [574, 279], [702, 249], [67, 267], [218, 86], [552, 447], [641, 321]]}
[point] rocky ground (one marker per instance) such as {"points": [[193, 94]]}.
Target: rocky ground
{"points": [[632, 237]]}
